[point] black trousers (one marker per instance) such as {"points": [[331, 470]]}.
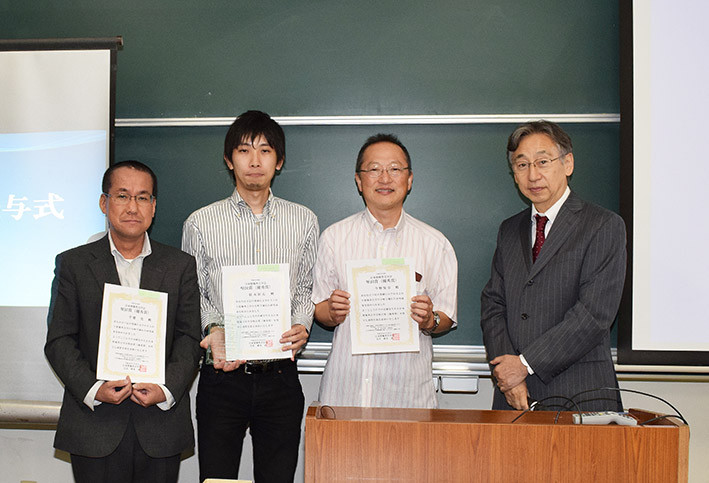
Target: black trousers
{"points": [[271, 404], [128, 463]]}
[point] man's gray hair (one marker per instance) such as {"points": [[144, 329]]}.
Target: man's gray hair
{"points": [[551, 129]]}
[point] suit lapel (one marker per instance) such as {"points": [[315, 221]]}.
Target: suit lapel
{"points": [[525, 228], [565, 224], [103, 266], [152, 275]]}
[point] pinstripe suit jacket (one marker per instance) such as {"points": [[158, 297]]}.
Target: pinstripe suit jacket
{"points": [[72, 349], [559, 310]]}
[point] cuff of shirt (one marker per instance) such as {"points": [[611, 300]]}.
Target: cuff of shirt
{"points": [[210, 320], [208, 328], [526, 364], [90, 398], [303, 320], [169, 400]]}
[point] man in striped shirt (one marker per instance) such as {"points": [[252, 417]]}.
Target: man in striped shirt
{"points": [[383, 230], [251, 227]]}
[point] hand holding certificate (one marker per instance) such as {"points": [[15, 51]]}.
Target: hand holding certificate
{"points": [[256, 311], [132, 339], [380, 320], [216, 350]]}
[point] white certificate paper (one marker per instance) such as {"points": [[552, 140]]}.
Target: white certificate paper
{"points": [[256, 311], [132, 338], [380, 314]]}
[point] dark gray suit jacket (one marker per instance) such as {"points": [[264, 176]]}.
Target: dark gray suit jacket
{"points": [[72, 349], [558, 311]]}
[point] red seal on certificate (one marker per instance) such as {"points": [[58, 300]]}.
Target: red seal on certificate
{"points": [[143, 368], [395, 336], [269, 343]]}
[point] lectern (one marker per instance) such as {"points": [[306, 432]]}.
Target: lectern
{"points": [[418, 445]]}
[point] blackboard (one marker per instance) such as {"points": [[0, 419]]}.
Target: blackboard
{"points": [[188, 58], [195, 59]]}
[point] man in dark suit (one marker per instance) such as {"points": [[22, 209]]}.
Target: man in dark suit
{"points": [[556, 282], [117, 431]]}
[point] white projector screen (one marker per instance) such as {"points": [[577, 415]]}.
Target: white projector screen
{"points": [[664, 171], [56, 118]]}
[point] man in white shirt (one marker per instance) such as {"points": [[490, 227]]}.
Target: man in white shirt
{"points": [[383, 230], [555, 286]]}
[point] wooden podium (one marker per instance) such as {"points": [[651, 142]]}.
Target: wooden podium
{"points": [[417, 445]]}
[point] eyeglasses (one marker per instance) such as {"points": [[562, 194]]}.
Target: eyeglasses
{"points": [[377, 171], [540, 164], [124, 199]]}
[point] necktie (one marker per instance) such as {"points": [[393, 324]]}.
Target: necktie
{"points": [[539, 241]]}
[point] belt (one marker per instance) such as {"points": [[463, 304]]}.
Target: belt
{"points": [[262, 367]]}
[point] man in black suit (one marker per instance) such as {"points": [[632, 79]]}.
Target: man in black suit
{"points": [[555, 285], [117, 431]]}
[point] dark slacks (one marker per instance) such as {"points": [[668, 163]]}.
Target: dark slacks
{"points": [[128, 463], [271, 404]]}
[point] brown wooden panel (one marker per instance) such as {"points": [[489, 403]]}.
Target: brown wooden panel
{"points": [[372, 444]]}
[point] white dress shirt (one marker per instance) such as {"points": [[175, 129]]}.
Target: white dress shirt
{"points": [[383, 380]]}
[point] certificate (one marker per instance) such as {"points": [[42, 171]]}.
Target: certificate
{"points": [[380, 314], [256, 311], [132, 338]]}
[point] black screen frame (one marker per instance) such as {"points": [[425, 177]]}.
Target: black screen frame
{"points": [[626, 354]]}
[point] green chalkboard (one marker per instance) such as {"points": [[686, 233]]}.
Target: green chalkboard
{"points": [[191, 58], [188, 58]]}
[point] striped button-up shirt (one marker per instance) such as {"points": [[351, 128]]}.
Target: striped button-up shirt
{"points": [[401, 379], [228, 233]]}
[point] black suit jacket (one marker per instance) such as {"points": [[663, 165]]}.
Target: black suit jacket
{"points": [[72, 347], [558, 311]]}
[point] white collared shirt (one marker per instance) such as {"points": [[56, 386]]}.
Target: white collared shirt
{"points": [[401, 379], [551, 214], [129, 270]]}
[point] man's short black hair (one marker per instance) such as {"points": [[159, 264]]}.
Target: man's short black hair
{"points": [[381, 138], [249, 126], [131, 163]]}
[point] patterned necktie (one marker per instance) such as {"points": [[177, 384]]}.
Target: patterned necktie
{"points": [[539, 241]]}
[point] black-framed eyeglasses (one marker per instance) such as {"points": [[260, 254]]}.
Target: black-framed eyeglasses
{"points": [[124, 198], [377, 171]]}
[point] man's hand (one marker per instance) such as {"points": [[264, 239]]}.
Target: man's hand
{"points": [[422, 311], [517, 397], [114, 392], [338, 306], [215, 342], [509, 371], [334, 310], [147, 394], [296, 338]]}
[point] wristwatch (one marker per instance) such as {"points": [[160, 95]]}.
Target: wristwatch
{"points": [[436, 321]]}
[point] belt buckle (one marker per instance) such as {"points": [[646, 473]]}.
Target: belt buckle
{"points": [[255, 367]]}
